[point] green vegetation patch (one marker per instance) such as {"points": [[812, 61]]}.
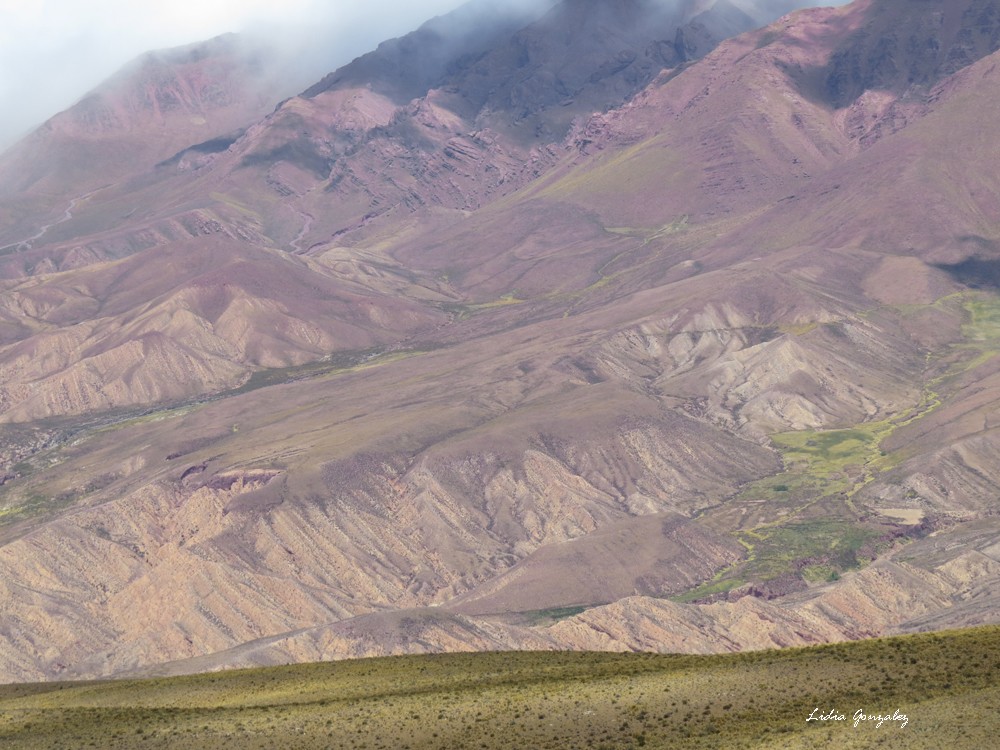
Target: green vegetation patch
{"points": [[724, 582], [823, 471], [34, 506], [504, 301], [827, 542], [463, 310], [802, 522], [945, 684], [553, 614], [335, 364], [827, 452], [822, 463], [983, 325], [816, 550]]}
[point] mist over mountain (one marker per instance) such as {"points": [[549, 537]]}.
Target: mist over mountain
{"points": [[582, 325], [52, 51]]}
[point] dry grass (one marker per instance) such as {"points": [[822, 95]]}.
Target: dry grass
{"points": [[946, 684]]}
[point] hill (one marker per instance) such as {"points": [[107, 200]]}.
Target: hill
{"points": [[931, 691]]}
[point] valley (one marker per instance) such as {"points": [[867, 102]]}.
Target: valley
{"points": [[613, 329]]}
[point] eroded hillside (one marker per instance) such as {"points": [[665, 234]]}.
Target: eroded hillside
{"points": [[710, 370]]}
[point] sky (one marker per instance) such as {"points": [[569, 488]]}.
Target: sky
{"points": [[52, 52]]}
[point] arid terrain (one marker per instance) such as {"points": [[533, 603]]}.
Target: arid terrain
{"points": [[620, 326]]}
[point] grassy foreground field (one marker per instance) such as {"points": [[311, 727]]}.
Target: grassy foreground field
{"points": [[947, 686]]}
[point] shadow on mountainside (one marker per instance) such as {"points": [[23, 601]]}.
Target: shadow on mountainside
{"points": [[901, 50], [976, 273]]}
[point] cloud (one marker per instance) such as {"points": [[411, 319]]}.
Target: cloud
{"points": [[53, 51]]}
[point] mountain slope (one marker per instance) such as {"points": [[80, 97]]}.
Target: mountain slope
{"points": [[347, 157], [717, 368], [162, 102], [260, 190]]}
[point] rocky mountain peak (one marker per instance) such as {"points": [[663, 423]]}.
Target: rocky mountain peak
{"points": [[907, 47]]}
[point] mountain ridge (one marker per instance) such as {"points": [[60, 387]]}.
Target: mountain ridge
{"points": [[691, 357]]}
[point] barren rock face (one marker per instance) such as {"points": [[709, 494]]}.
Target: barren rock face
{"points": [[224, 558], [563, 339]]}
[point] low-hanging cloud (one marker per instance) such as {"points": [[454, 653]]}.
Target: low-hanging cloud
{"points": [[52, 52]]}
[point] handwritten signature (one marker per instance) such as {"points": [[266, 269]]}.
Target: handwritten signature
{"points": [[860, 716]]}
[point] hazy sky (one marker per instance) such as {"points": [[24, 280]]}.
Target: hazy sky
{"points": [[54, 51]]}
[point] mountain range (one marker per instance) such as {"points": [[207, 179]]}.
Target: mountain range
{"points": [[619, 325]]}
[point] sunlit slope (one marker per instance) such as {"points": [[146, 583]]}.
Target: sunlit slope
{"points": [[934, 691]]}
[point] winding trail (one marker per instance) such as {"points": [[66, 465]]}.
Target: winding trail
{"points": [[26, 244], [307, 220]]}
